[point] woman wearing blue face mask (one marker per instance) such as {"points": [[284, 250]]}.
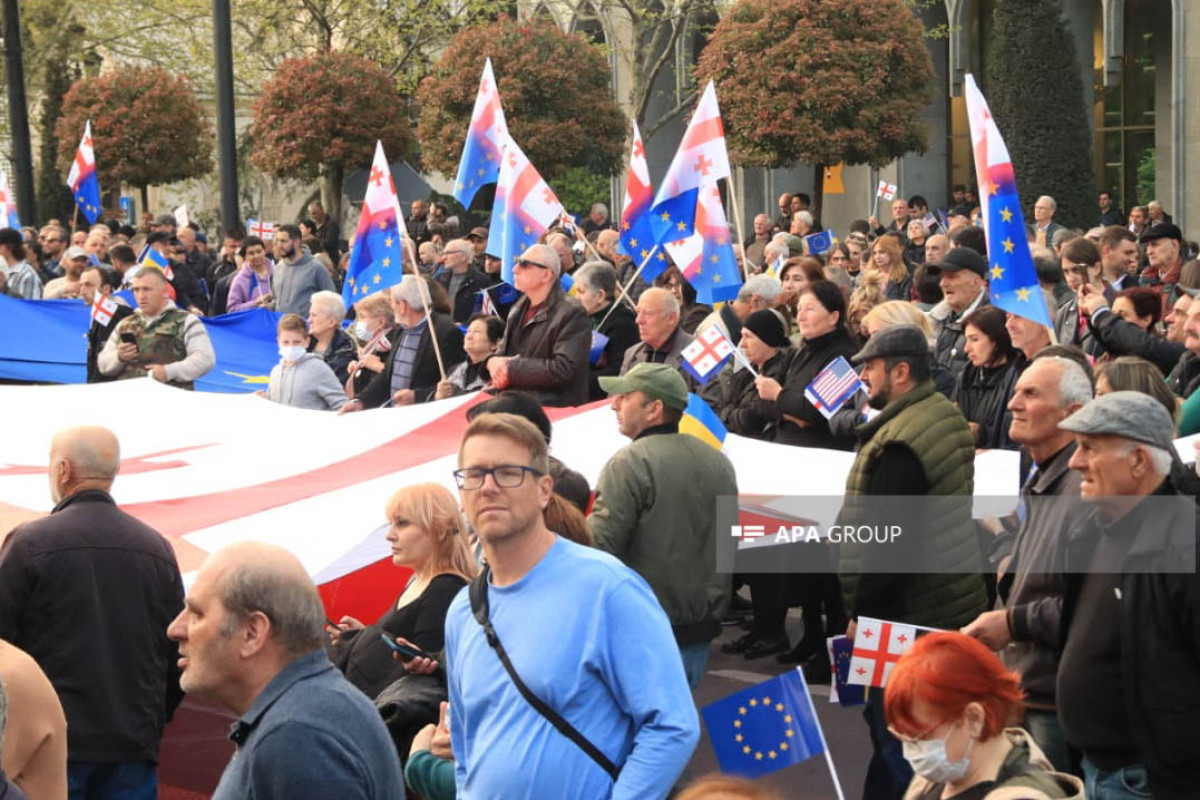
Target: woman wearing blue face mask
{"points": [[302, 379], [948, 701]]}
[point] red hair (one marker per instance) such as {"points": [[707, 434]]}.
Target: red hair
{"points": [[948, 671]]}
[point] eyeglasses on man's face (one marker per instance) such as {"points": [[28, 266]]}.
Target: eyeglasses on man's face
{"points": [[506, 476]]}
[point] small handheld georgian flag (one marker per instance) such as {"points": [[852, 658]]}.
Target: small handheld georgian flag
{"points": [[704, 357], [260, 228], [833, 386], [878, 645], [103, 310], [887, 190]]}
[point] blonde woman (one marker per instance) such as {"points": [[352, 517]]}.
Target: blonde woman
{"points": [[867, 295], [887, 256], [427, 535]]}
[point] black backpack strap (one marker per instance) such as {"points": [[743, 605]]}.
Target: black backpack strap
{"points": [[477, 592]]}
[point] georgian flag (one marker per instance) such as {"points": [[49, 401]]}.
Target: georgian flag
{"points": [[878, 645], [103, 310], [705, 356]]}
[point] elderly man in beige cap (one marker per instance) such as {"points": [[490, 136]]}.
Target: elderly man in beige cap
{"points": [[547, 336]]}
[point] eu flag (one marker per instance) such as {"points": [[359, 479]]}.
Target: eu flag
{"points": [[637, 232], [375, 261], [819, 243], [765, 728], [1013, 284], [706, 257]]}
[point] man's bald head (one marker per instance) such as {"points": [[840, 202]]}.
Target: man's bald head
{"points": [[83, 457], [258, 578]]}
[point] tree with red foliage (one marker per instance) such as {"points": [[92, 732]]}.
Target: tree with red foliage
{"points": [[148, 128], [820, 81], [322, 114], [555, 89]]}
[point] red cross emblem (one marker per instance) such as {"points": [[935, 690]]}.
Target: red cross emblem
{"points": [[376, 176], [702, 165], [638, 150]]}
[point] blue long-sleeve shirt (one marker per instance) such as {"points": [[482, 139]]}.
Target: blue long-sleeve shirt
{"points": [[588, 637]]}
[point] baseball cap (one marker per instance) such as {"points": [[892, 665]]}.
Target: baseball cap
{"points": [[1130, 415], [478, 233], [656, 381], [899, 340], [960, 258], [75, 252]]}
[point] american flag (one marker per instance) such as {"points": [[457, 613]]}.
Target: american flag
{"points": [[887, 190], [833, 386], [103, 310], [705, 356]]}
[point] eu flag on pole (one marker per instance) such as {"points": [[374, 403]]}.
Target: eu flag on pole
{"points": [[637, 233], [706, 257], [85, 186], [524, 208], [376, 260], [700, 161], [486, 134], [1013, 284], [765, 728]]}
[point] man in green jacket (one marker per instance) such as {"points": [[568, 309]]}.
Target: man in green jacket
{"points": [[918, 445], [655, 507]]}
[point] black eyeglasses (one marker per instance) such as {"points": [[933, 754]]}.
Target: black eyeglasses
{"points": [[506, 476]]}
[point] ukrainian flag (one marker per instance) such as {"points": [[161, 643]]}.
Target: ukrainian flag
{"points": [[702, 422]]}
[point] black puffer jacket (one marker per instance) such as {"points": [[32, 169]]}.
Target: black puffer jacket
{"points": [[983, 395]]}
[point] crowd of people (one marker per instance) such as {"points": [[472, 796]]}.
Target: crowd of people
{"points": [[474, 682]]}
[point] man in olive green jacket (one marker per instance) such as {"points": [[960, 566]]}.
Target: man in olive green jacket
{"points": [[655, 507]]}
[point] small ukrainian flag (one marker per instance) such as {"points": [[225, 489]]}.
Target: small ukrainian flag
{"points": [[702, 422]]}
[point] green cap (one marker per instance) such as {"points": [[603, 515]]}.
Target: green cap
{"points": [[656, 381]]}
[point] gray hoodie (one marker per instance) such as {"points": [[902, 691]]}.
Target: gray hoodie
{"points": [[295, 282], [306, 383]]}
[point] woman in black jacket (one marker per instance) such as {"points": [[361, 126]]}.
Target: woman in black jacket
{"points": [[428, 536], [821, 317], [986, 384], [767, 347]]}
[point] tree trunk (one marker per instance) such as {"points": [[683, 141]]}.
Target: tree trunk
{"points": [[331, 192], [145, 191], [818, 193]]}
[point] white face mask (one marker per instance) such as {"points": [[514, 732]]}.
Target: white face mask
{"points": [[361, 331], [929, 760], [291, 352]]}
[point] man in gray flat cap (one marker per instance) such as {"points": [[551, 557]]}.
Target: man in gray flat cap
{"points": [[1129, 674], [918, 445]]}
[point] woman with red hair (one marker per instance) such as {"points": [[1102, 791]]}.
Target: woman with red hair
{"points": [[949, 701]]}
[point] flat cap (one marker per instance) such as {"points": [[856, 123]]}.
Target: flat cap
{"points": [[795, 245], [959, 258], [1163, 230], [899, 340], [1130, 415], [656, 381]]}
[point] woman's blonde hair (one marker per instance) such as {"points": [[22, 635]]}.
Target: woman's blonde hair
{"points": [[433, 509], [897, 271], [898, 312]]}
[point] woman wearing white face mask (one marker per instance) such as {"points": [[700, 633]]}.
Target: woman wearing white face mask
{"points": [[302, 379], [948, 701], [375, 330]]}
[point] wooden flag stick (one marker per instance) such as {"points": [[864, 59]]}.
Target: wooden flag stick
{"points": [[737, 213], [437, 348], [625, 289]]}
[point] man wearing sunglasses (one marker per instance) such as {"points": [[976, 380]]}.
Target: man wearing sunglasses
{"points": [[547, 336]]}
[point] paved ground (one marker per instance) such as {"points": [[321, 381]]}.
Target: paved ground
{"points": [[845, 731]]}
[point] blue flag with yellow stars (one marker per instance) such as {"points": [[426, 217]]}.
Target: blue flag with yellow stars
{"points": [[1012, 278], [375, 259], [765, 728]]}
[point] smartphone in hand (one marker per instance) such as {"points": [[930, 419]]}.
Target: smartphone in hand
{"points": [[407, 653]]}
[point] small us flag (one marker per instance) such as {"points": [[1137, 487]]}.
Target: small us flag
{"points": [[833, 386]]}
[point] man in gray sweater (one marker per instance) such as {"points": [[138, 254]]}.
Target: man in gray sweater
{"points": [[298, 276], [302, 379]]}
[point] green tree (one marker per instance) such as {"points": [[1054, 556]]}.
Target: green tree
{"points": [[321, 115], [148, 128], [1035, 91], [555, 90], [820, 81], [53, 197]]}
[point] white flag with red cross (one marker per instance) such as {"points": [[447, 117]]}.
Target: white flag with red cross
{"points": [[878, 645], [887, 190], [104, 309]]}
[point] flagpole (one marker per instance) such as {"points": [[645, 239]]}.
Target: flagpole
{"points": [[425, 299], [837, 784], [737, 213], [74, 222], [625, 289], [745, 362]]}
